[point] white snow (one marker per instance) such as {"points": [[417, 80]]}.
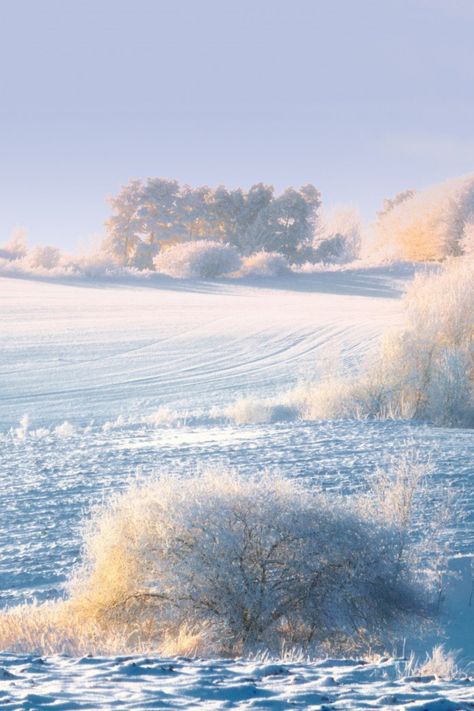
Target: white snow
{"points": [[96, 350], [151, 683], [99, 380]]}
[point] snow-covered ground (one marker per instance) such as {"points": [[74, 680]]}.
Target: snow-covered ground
{"points": [[152, 683], [83, 351], [136, 369]]}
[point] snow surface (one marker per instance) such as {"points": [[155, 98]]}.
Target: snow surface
{"points": [[88, 350], [150, 683], [120, 378]]}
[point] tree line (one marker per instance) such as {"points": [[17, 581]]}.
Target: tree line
{"points": [[148, 215]]}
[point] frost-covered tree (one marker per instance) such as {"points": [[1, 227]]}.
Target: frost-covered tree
{"points": [[228, 210], [467, 241], [426, 225], [287, 224], [159, 212], [195, 213], [124, 227], [390, 203], [236, 212], [16, 247], [143, 212], [42, 258], [339, 235]]}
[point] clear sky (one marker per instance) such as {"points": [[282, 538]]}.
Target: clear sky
{"points": [[360, 97]]}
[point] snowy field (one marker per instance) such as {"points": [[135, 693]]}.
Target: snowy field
{"points": [[151, 683], [105, 381], [92, 351]]}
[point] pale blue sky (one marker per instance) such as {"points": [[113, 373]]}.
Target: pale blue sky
{"points": [[360, 97]]}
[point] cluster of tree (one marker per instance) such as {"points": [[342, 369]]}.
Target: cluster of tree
{"points": [[153, 213]]}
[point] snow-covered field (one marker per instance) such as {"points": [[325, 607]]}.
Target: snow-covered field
{"points": [[153, 683], [104, 380], [86, 350]]}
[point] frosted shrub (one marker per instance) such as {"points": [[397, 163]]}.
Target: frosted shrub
{"points": [[65, 430], [200, 259], [38, 261], [96, 265], [251, 561], [42, 258], [264, 264], [249, 410]]}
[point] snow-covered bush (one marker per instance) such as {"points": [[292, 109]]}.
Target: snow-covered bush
{"points": [[46, 258], [222, 563], [253, 561], [38, 261], [251, 410], [264, 264], [426, 225], [96, 265], [339, 236], [205, 259]]}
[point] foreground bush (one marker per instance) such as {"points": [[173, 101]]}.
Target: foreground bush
{"points": [[199, 259], [222, 564]]}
